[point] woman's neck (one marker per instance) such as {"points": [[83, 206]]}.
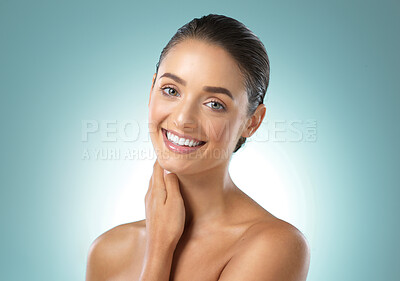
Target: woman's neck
{"points": [[206, 196]]}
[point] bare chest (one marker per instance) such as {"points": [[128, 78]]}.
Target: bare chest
{"points": [[202, 261], [194, 259]]}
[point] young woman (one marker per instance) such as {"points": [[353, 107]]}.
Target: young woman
{"points": [[206, 98]]}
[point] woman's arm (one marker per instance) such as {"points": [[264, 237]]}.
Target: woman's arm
{"points": [[165, 221], [279, 254]]}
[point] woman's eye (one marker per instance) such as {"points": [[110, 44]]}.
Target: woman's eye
{"points": [[169, 91], [216, 105]]}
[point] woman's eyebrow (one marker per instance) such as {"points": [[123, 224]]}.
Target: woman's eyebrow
{"points": [[174, 77], [210, 89]]}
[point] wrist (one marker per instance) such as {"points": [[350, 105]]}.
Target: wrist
{"points": [[160, 248], [157, 263]]}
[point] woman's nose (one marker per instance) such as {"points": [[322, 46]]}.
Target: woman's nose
{"points": [[185, 115]]}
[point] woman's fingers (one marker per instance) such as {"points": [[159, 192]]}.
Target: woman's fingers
{"points": [[156, 190], [163, 184], [165, 211], [172, 186], [158, 176]]}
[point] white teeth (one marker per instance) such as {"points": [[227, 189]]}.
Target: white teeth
{"points": [[181, 141], [195, 143]]}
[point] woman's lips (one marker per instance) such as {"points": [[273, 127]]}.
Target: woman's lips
{"points": [[179, 148]]}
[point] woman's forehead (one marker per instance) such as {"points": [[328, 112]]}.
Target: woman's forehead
{"points": [[199, 62]]}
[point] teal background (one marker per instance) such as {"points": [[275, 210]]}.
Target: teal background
{"points": [[62, 62]]}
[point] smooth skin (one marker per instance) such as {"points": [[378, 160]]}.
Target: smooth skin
{"points": [[199, 225]]}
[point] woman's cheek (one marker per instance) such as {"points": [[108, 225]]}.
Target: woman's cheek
{"points": [[219, 131], [155, 117], [158, 110]]}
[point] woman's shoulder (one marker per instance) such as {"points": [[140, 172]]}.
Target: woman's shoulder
{"points": [[271, 229], [120, 235], [108, 252], [269, 247], [270, 232]]}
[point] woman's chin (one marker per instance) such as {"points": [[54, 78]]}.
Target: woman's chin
{"points": [[177, 166], [171, 166]]}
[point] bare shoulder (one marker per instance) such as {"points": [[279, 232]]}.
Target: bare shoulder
{"points": [[275, 232], [109, 252], [271, 249]]}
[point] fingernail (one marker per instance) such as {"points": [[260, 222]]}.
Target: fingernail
{"points": [[166, 172]]}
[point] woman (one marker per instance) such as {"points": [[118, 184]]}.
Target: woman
{"points": [[206, 98]]}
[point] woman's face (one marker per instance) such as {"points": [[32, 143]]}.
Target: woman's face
{"points": [[198, 95]]}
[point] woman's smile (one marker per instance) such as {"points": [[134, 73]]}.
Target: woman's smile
{"points": [[180, 143]]}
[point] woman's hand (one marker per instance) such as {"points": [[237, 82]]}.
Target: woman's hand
{"points": [[165, 210]]}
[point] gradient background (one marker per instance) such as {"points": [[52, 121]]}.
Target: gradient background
{"points": [[64, 62]]}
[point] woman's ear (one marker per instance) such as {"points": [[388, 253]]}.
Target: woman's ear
{"points": [[152, 86], [255, 121]]}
